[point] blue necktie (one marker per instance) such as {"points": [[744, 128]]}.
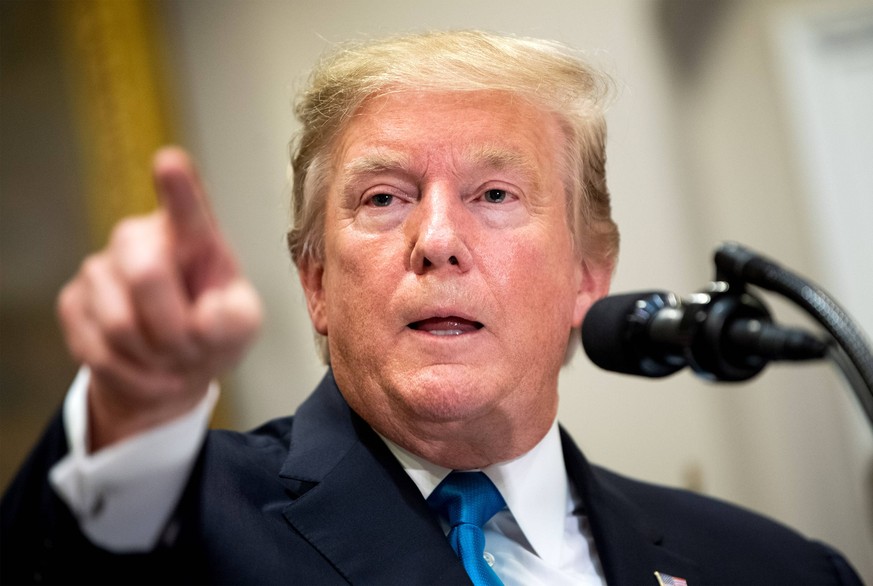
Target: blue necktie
{"points": [[467, 500]]}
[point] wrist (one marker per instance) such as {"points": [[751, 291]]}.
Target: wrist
{"points": [[114, 417]]}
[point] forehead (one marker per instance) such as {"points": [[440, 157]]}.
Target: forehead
{"points": [[410, 129]]}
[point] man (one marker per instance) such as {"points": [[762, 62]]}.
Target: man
{"points": [[451, 228]]}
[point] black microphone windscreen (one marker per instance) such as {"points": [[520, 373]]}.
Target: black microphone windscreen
{"points": [[606, 333]]}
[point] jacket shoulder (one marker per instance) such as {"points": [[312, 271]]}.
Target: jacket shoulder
{"points": [[735, 543]]}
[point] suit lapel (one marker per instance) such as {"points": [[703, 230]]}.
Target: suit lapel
{"points": [[356, 505], [629, 546]]}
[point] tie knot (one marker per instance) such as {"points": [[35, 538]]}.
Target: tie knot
{"points": [[466, 497]]}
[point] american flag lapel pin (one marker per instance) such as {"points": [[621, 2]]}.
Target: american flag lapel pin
{"points": [[668, 580]]}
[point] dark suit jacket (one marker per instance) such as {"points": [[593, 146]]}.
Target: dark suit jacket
{"points": [[319, 499]]}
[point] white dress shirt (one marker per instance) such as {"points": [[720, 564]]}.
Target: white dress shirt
{"points": [[124, 495]]}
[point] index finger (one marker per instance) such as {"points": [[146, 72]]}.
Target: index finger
{"points": [[181, 193]]}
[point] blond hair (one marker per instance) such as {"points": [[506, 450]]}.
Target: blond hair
{"points": [[545, 73]]}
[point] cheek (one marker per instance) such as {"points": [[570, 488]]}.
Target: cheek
{"points": [[539, 283], [544, 261], [358, 284]]}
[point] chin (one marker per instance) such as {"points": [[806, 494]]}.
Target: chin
{"points": [[447, 393]]}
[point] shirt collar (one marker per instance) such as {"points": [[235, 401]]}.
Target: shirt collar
{"points": [[534, 486]]}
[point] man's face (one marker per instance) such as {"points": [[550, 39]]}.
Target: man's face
{"points": [[450, 284]]}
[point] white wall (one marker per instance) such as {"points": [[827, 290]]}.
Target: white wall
{"points": [[800, 447], [693, 160]]}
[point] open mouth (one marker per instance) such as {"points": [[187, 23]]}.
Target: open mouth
{"points": [[446, 326]]}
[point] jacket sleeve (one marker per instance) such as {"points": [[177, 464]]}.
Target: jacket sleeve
{"points": [[43, 542]]}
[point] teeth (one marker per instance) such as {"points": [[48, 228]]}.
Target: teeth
{"points": [[445, 332]]}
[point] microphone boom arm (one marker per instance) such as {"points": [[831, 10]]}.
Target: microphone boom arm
{"points": [[849, 351]]}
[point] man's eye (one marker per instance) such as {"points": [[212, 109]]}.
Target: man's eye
{"points": [[381, 200], [495, 196]]}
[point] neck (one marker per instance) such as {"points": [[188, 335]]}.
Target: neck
{"points": [[469, 443]]}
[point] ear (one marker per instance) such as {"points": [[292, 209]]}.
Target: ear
{"points": [[593, 280], [312, 278]]}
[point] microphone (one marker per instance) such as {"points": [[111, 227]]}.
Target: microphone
{"points": [[721, 334]]}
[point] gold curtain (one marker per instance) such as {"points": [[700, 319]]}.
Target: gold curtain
{"points": [[113, 51]]}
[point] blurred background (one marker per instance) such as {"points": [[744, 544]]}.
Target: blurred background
{"points": [[739, 120]]}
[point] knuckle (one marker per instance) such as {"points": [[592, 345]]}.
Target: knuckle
{"points": [[101, 364], [139, 250], [66, 302], [76, 348], [118, 328], [147, 273], [71, 316], [146, 268], [126, 230], [93, 267]]}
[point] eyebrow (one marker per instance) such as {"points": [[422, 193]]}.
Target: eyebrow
{"points": [[496, 157], [489, 156], [377, 161], [372, 163], [501, 158]]}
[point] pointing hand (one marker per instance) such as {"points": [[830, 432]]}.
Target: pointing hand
{"points": [[159, 312]]}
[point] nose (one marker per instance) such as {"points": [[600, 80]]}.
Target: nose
{"points": [[439, 231]]}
